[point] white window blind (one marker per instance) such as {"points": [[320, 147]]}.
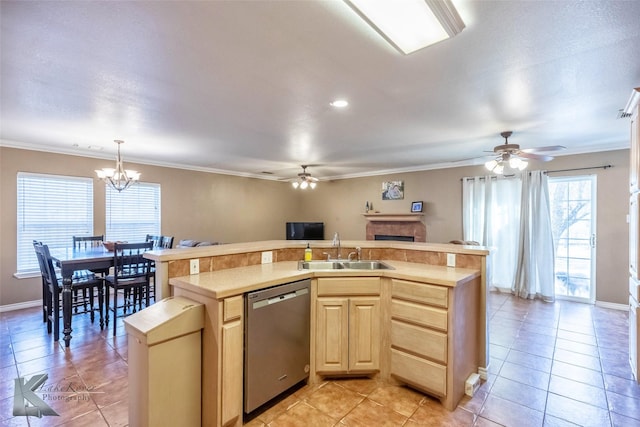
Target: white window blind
{"points": [[51, 209], [133, 213]]}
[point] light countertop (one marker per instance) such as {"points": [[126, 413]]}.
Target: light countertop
{"points": [[235, 281], [268, 245]]}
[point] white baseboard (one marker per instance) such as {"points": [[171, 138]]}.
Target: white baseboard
{"points": [[20, 305], [612, 305], [483, 372]]}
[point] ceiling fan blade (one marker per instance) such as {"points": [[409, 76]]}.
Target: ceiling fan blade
{"points": [[544, 149], [533, 156]]}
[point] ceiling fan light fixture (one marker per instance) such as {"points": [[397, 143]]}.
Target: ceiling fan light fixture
{"points": [[491, 164], [304, 180], [412, 24], [517, 163]]}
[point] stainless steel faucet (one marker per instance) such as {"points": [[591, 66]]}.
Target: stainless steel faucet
{"points": [[336, 242], [357, 253]]}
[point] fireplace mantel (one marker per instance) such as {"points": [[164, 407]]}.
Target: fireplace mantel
{"points": [[394, 217]]}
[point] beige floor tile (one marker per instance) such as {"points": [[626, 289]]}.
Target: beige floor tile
{"points": [[399, 398], [98, 359], [369, 413], [302, 414], [334, 400]]}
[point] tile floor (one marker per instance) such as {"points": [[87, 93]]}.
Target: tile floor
{"points": [[562, 364]]}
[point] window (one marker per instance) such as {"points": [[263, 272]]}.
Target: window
{"points": [[133, 213], [51, 209]]}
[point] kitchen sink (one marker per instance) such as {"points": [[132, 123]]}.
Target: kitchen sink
{"points": [[367, 265], [340, 265], [319, 265]]}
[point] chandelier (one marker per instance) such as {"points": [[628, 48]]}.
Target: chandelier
{"points": [[304, 180], [505, 162], [119, 179]]}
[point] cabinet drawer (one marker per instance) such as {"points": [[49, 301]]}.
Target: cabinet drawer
{"points": [[421, 373], [233, 308], [352, 286], [423, 342], [634, 289], [420, 292], [419, 314]]}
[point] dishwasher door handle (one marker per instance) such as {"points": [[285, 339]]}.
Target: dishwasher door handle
{"points": [[278, 298]]}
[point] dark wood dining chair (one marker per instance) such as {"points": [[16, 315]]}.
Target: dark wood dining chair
{"points": [[159, 242], [167, 242], [53, 284], [83, 243], [130, 278], [87, 242], [46, 300]]}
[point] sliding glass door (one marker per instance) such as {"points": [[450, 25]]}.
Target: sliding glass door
{"points": [[573, 222]]}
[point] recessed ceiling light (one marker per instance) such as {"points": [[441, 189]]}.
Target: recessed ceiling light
{"points": [[339, 103]]}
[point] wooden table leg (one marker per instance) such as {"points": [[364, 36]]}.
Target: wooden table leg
{"points": [[66, 309]]}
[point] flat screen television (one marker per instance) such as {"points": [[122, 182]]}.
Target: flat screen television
{"points": [[305, 230]]}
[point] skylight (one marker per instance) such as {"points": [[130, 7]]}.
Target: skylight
{"points": [[410, 25]]}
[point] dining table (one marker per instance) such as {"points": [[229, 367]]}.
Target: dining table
{"points": [[70, 260]]}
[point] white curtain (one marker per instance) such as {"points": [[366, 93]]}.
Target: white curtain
{"points": [[491, 217], [535, 274], [511, 216]]}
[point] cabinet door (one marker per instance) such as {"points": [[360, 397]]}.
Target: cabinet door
{"points": [[634, 238], [634, 344], [332, 335], [232, 372], [364, 334], [634, 172]]}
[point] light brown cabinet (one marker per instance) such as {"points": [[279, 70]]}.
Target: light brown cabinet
{"points": [[634, 230], [347, 325], [231, 372], [222, 363], [433, 337]]}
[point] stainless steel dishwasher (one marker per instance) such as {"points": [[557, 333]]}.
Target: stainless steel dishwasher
{"points": [[276, 341]]}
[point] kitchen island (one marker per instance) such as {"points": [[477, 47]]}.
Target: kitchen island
{"points": [[424, 323]]}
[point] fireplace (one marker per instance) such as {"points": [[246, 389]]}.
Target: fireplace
{"points": [[391, 237], [401, 227]]}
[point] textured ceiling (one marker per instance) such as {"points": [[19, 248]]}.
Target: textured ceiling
{"points": [[244, 87]]}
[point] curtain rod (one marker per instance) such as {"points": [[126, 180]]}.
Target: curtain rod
{"points": [[581, 169], [559, 170]]}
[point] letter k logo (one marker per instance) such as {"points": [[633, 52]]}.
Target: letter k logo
{"points": [[25, 401]]}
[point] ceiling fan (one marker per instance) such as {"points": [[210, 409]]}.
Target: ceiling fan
{"points": [[512, 156], [304, 179]]}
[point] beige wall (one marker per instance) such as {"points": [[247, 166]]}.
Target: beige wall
{"points": [[342, 203], [195, 205], [232, 209]]}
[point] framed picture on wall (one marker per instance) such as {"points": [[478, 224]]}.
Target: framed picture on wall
{"points": [[416, 206], [393, 190]]}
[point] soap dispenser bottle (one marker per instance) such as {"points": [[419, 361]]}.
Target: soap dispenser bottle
{"points": [[307, 253]]}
